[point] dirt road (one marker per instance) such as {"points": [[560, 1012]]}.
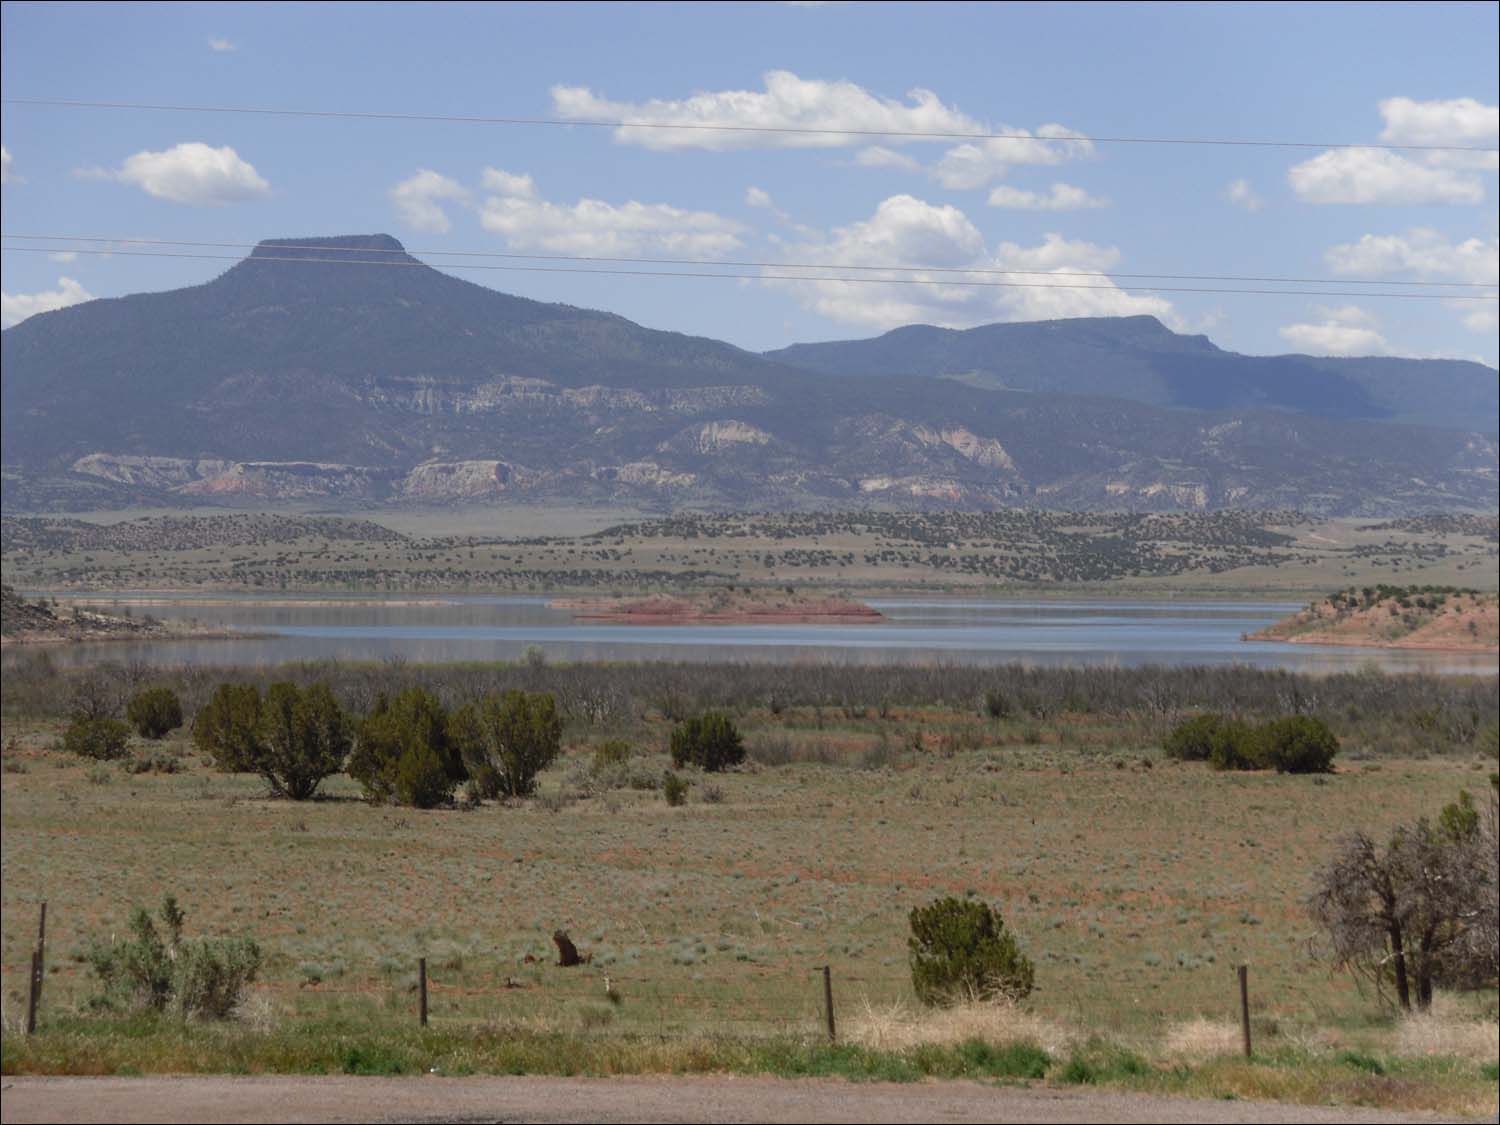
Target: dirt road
{"points": [[653, 1099]]}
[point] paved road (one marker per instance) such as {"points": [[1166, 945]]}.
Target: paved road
{"points": [[645, 1099]]}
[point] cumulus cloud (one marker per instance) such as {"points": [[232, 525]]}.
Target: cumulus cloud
{"points": [[193, 173], [1359, 175], [1062, 197], [595, 227], [911, 232], [509, 184], [973, 165], [16, 307], [759, 197], [1241, 194], [419, 200], [221, 45], [7, 176], [1372, 175], [1424, 254], [1346, 330], [843, 110], [1457, 121], [1421, 253]]}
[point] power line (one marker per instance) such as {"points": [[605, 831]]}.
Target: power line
{"points": [[910, 134], [987, 271], [756, 276]]}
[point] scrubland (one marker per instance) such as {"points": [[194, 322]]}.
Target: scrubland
{"points": [[1135, 884]]}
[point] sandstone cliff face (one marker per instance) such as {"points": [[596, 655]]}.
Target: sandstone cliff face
{"points": [[458, 480]]}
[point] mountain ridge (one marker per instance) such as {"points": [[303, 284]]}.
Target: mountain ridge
{"points": [[1154, 365], [304, 374]]}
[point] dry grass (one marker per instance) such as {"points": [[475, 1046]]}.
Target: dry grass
{"points": [[1201, 1038], [900, 1026], [1446, 1032]]}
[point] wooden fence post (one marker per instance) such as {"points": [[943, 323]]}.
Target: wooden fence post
{"points": [[422, 990], [38, 971], [828, 999], [31, 997], [1244, 972]]}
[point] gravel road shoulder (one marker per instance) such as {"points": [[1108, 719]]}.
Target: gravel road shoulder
{"points": [[215, 1100]]}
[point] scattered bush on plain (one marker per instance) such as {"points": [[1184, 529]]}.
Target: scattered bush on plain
{"points": [[1291, 744], [708, 741], [205, 979], [960, 950], [103, 740], [155, 712]]}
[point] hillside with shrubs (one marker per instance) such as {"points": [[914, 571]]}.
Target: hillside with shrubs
{"points": [[1430, 617]]}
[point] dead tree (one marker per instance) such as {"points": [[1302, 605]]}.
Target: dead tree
{"points": [[1418, 912]]}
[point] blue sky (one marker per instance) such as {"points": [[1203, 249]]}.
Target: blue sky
{"points": [[1409, 74]]}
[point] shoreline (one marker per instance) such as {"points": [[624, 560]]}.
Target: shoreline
{"points": [[34, 637], [1356, 642]]}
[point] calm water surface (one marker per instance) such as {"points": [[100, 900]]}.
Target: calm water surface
{"points": [[915, 630]]}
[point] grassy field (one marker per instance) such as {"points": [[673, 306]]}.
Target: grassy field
{"points": [[1135, 884]]}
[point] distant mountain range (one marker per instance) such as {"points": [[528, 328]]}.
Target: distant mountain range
{"points": [[1140, 359], [339, 384]]}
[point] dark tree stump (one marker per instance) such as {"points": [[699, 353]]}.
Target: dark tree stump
{"points": [[567, 952]]}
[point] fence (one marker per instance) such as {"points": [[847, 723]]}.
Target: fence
{"points": [[765, 1000]]}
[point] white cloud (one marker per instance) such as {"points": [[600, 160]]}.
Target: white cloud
{"points": [[975, 164], [7, 176], [843, 109], [1482, 320], [1062, 197], [1345, 330], [420, 197], [191, 173], [1367, 175], [1421, 253], [1458, 121], [16, 307], [215, 43], [1424, 254], [509, 184], [759, 197], [878, 156], [1372, 175], [1241, 194], [595, 227], [63, 256], [906, 231]]}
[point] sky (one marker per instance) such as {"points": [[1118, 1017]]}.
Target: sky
{"points": [[1040, 203]]}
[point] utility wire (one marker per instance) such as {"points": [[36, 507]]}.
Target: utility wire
{"points": [[911, 134], [278, 245], [754, 276]]}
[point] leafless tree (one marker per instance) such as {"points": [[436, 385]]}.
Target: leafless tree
{"points": [[98, 694], [1418, 912]]}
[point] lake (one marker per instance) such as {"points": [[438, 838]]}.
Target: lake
{"points": [[915, 630]]}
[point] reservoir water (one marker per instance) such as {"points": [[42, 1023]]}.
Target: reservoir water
{"points": [[448, 628]]}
